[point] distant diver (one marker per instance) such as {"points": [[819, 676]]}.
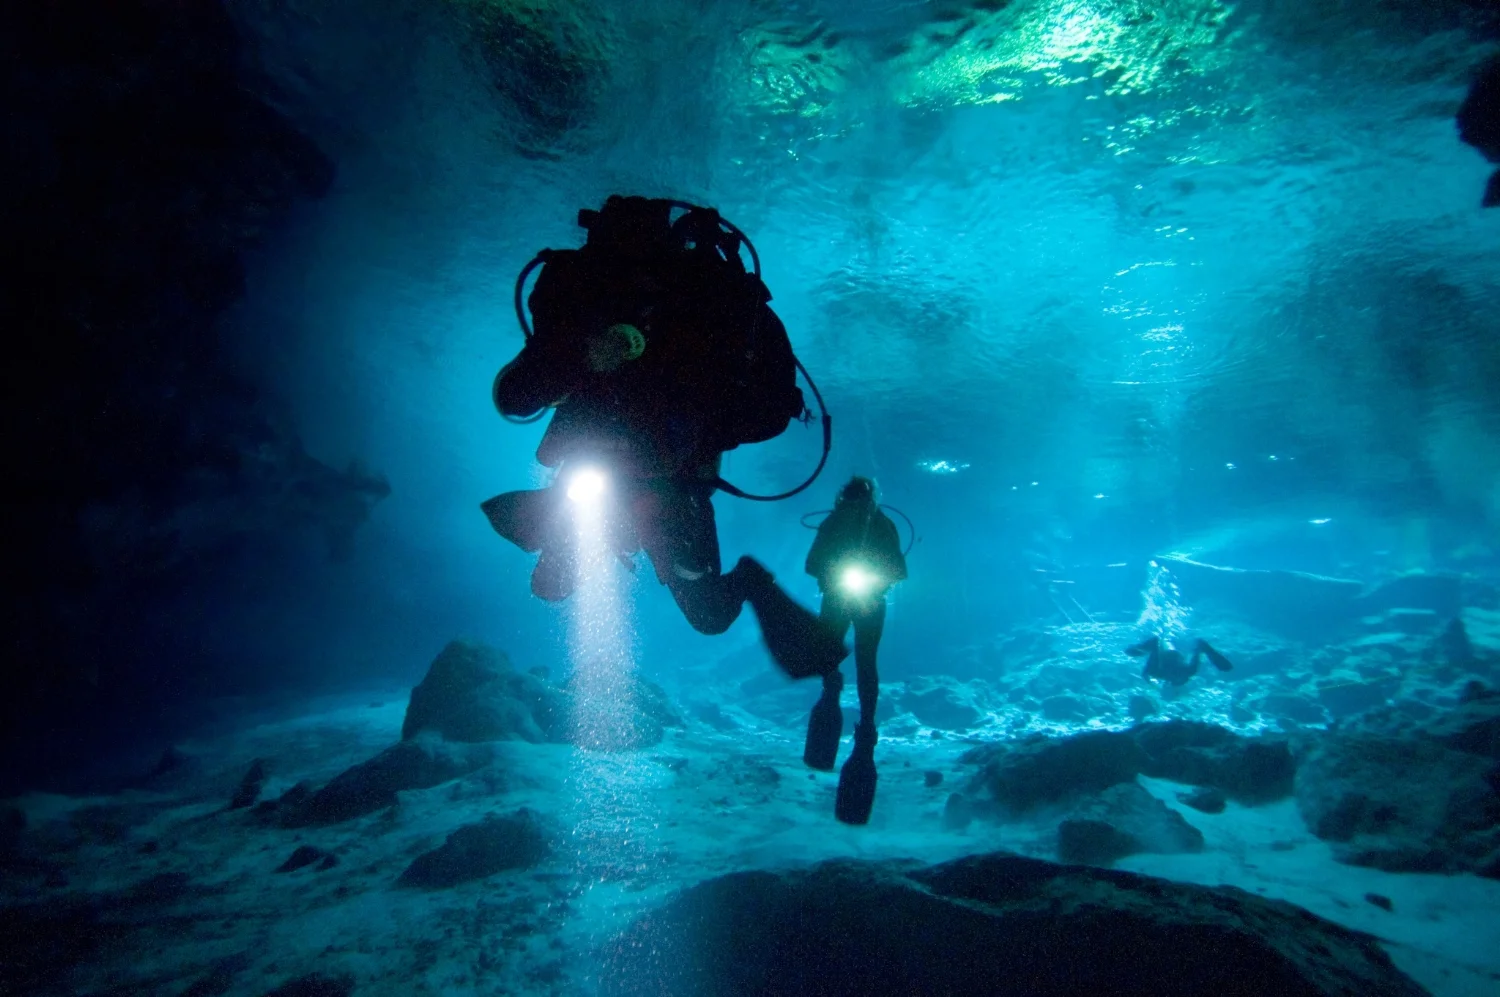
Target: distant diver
{"points": [[1167, 664], [856, 558], [658, 351], [1479, 123]]}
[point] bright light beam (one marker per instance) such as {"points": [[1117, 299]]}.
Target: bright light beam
{"points": [[610, 809], [858, 581], [586, 487]]}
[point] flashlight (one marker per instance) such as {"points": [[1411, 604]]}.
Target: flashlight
{"points": [[586, 485], [857, 581]]}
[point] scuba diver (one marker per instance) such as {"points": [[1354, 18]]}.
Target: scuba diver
{"points": [[657, 351], [1479, 123], [1167, 664], [856, 558]]}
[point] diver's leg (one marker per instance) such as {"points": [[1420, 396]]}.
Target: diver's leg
{"points": [[868, 628], [856, 793], [1218, 660], [678, 533], [825, 724], [1153, 659], [675, 524]]}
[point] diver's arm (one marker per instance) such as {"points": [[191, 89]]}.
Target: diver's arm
{"points": [[890, 540], [821, 553], [554, 361], [534, 381]]}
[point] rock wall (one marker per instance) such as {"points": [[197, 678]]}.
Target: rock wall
{"points": [[137, 172]]}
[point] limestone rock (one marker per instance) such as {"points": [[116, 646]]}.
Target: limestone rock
{"points": [[1247, 769], [1124, 820], [1021, 775], [315, 985], [471, 693], [1205, 800], [1404, 804], [631, 714], [1441, 593], [497, 843], [250, 786], [1039, 770], [994, 924], [941, 706], [373, 785], [1290, 709], [1473, 727], [306, 855], [1066, 707]]}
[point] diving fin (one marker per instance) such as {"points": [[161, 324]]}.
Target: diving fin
{"points": [[1219, 661], [825, 726], [856, 795], [1145, 647], [800, 645], [521, 517]]}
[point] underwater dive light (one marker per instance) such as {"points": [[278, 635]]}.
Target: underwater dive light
{"points": [[858, 581], [586, 485]]}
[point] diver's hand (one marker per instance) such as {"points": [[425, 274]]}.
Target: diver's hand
{"points": [[615, 346]]}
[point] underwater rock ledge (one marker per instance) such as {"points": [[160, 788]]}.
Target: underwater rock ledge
{"points": [[995, 924], [141, 169]]}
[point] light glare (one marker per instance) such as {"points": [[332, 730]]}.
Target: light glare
{"points": [[586, 485], [857, 581]]}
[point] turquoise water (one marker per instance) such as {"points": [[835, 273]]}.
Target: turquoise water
{"points": [[1171, 318]]}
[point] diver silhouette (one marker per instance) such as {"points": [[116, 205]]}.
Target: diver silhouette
{"points": [[1168, 665], [658, 351], [856, 557]]}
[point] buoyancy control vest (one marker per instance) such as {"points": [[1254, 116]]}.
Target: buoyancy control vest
{"points": [[714, 349]]}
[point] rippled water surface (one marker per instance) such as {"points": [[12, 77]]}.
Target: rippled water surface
{"points": [[1140, 269]]}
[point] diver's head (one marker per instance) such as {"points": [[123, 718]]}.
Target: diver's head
{"points": [[859, 491]]}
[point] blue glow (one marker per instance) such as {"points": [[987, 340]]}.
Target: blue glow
{"points": [[1096, 243]]}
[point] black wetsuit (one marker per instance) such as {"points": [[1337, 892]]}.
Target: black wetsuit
{"points": [[659, 424], [857, 533]]}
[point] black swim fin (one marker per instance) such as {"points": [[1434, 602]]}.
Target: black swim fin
{"points": [[521, 517], [856, 795], [800, 645], [1492, 191], [1218, 660], [825, 726], [1147, 646]]}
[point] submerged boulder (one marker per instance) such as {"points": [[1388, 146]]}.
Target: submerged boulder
{"points": [[627, 713], [1040, 770], [1404, 804], [942, 706], [248, 792], [495, 844], [1124, 820], [1473, 727], [315, 985], [471, 693], [1246, 769], [373, 785], [995, 924], [1438, 592]]}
